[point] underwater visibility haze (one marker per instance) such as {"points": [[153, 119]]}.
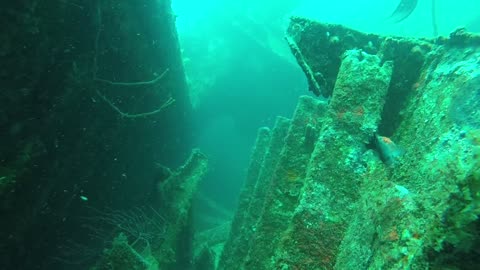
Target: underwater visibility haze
{"points": [[240, 135]]}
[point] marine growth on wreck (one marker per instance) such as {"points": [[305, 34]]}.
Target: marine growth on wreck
{"points": [[253, 137], [382, 174]]}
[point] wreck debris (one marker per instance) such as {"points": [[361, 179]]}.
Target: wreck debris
{"points": [[339, 206]]}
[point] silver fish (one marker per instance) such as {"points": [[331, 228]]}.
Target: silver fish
{"points": [[403, 10]]}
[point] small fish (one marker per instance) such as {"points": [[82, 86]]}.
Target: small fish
{"points": [[402, 191], [389, 151], [403, 10]]}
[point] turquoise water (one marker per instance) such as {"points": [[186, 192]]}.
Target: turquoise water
{"points": [[368, 15]]}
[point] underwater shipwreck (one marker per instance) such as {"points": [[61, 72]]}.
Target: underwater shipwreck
{"points": [[378, 169], [384, 174]]}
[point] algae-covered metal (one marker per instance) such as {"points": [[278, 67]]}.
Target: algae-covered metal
{"points": [[393, 179]]}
